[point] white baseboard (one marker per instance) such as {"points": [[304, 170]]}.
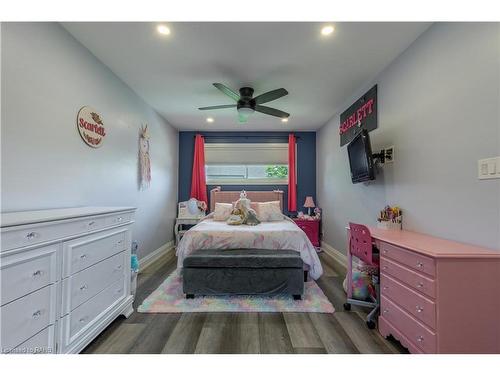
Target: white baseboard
{"points": [[155, 255], [334, 253]]}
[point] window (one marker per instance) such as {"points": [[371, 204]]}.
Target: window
{"points": [[246, 163]]}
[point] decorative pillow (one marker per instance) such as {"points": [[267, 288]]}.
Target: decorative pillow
{"points": [[269, 211], [222, 211]]}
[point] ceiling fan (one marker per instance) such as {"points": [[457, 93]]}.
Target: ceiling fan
{"points": [[246, 104]]}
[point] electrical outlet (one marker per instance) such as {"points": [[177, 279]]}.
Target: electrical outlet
{"points": [[389, 154], [488, 169]]}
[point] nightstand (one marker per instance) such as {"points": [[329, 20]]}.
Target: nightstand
{"points": [[311, 228], [179, 229]]}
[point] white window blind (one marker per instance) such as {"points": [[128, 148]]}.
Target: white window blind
{"points": [[246, 153]]}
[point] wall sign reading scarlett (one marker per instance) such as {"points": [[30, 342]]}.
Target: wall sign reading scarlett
{"points": [[90, 127], [362, 114]]}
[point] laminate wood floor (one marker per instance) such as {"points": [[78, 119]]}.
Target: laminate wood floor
{"points": [[244, 333]]}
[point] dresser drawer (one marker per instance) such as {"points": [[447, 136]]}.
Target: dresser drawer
{"points": [[24, 317], [416, 304], [83, 252], [118, 219], [80, 320], [41, 343], [413, 260], [85, 284], [23, 273], [419, 335], [413, 279], [26, 235]]}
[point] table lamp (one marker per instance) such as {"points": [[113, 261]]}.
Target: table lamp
{"points": [[309, 203]]}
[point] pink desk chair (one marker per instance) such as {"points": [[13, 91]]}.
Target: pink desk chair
{"points": [[361, 246]]}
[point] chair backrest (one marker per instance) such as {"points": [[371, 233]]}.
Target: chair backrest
{"points": [[361, 242]]}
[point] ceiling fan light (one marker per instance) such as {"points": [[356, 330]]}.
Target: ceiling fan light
{"points": [[245, 111]]}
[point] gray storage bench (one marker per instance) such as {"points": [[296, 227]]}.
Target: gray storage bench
{"points": [[243, 271]]}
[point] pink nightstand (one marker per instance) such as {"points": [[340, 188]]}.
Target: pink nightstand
{"points": [[311, 228]]}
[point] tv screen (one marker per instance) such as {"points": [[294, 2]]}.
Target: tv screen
{"points": [[360, 158]]}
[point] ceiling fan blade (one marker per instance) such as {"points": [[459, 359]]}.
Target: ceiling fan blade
{"points": [[271, 111], [270, 95], [226, 90], [218, 107]]}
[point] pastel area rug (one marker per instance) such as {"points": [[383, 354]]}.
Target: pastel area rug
{"points": [[168, 298]]}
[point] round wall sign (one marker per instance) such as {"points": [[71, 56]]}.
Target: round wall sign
{"points": [[90, 127]]}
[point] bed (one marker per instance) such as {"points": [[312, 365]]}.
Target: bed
{"points": [[277, 235]]}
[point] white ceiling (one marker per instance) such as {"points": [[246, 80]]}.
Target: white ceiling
{"points": [[174, 74]]}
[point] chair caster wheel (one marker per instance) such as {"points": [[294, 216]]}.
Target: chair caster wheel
{"points": [[347, 306], [370, 324]]}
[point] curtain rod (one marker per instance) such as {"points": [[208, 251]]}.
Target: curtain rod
{"points": [[246, 136]]}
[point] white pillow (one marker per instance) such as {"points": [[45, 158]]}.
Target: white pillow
{"points": [[269, 211], [222, 211]]}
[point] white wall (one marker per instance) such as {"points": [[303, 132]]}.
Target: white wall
{"points": [[439, 104], [46, 77]]}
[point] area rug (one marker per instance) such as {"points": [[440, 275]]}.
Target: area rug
{"points": [[168, 298]]}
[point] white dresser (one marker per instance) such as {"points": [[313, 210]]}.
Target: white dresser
{"points": [[65, 276]]}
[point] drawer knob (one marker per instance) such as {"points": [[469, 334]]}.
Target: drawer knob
{"points": [[419, 308], [385, 311], [31, 235], [385, 251], [118, 291], [37, 314], [385, 287], [420, 285], [37, 273], [83, 287], [83, 319], [83, 256], [420, 338], [384, 268], [90, 223], [119, 219], [420, 265], [119, 267]]}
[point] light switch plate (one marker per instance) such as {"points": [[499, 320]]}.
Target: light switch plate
{"points": [[488, 169]]}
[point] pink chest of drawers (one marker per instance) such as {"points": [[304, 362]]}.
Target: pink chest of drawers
{"points": [[311, 228], [438, 296]]}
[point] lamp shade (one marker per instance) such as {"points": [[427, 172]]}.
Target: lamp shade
{"points": [[309, 202]]}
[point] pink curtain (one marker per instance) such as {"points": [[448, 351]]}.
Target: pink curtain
{"points": [[292, 179], [198, 180]]}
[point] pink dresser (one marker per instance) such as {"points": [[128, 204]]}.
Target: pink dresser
{"points": [[438, 296]]}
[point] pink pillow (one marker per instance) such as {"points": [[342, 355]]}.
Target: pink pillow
{"points": [[269, 211], [222, 211]]}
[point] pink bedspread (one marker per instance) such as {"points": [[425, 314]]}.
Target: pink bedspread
{"points": [[285, 234]]}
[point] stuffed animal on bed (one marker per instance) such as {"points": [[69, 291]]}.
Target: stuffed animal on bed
{"points": [[242, 213]]}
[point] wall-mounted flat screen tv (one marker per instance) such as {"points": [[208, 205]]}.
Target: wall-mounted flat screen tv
{"points": [[360, 158]]}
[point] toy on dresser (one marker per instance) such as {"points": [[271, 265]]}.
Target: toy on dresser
{"points": [[390, 218]]}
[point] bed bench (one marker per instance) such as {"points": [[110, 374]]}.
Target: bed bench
{"points": [[243, 271]]}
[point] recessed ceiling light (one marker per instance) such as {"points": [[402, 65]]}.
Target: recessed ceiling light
{"points": [[210, 119], [327, 30], [284, 119], [162, 29]]}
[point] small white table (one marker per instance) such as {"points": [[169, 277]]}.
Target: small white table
{"points": [[179, 229]]}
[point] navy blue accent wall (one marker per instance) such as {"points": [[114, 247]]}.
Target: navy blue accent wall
{"points": [[306, 161]]}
